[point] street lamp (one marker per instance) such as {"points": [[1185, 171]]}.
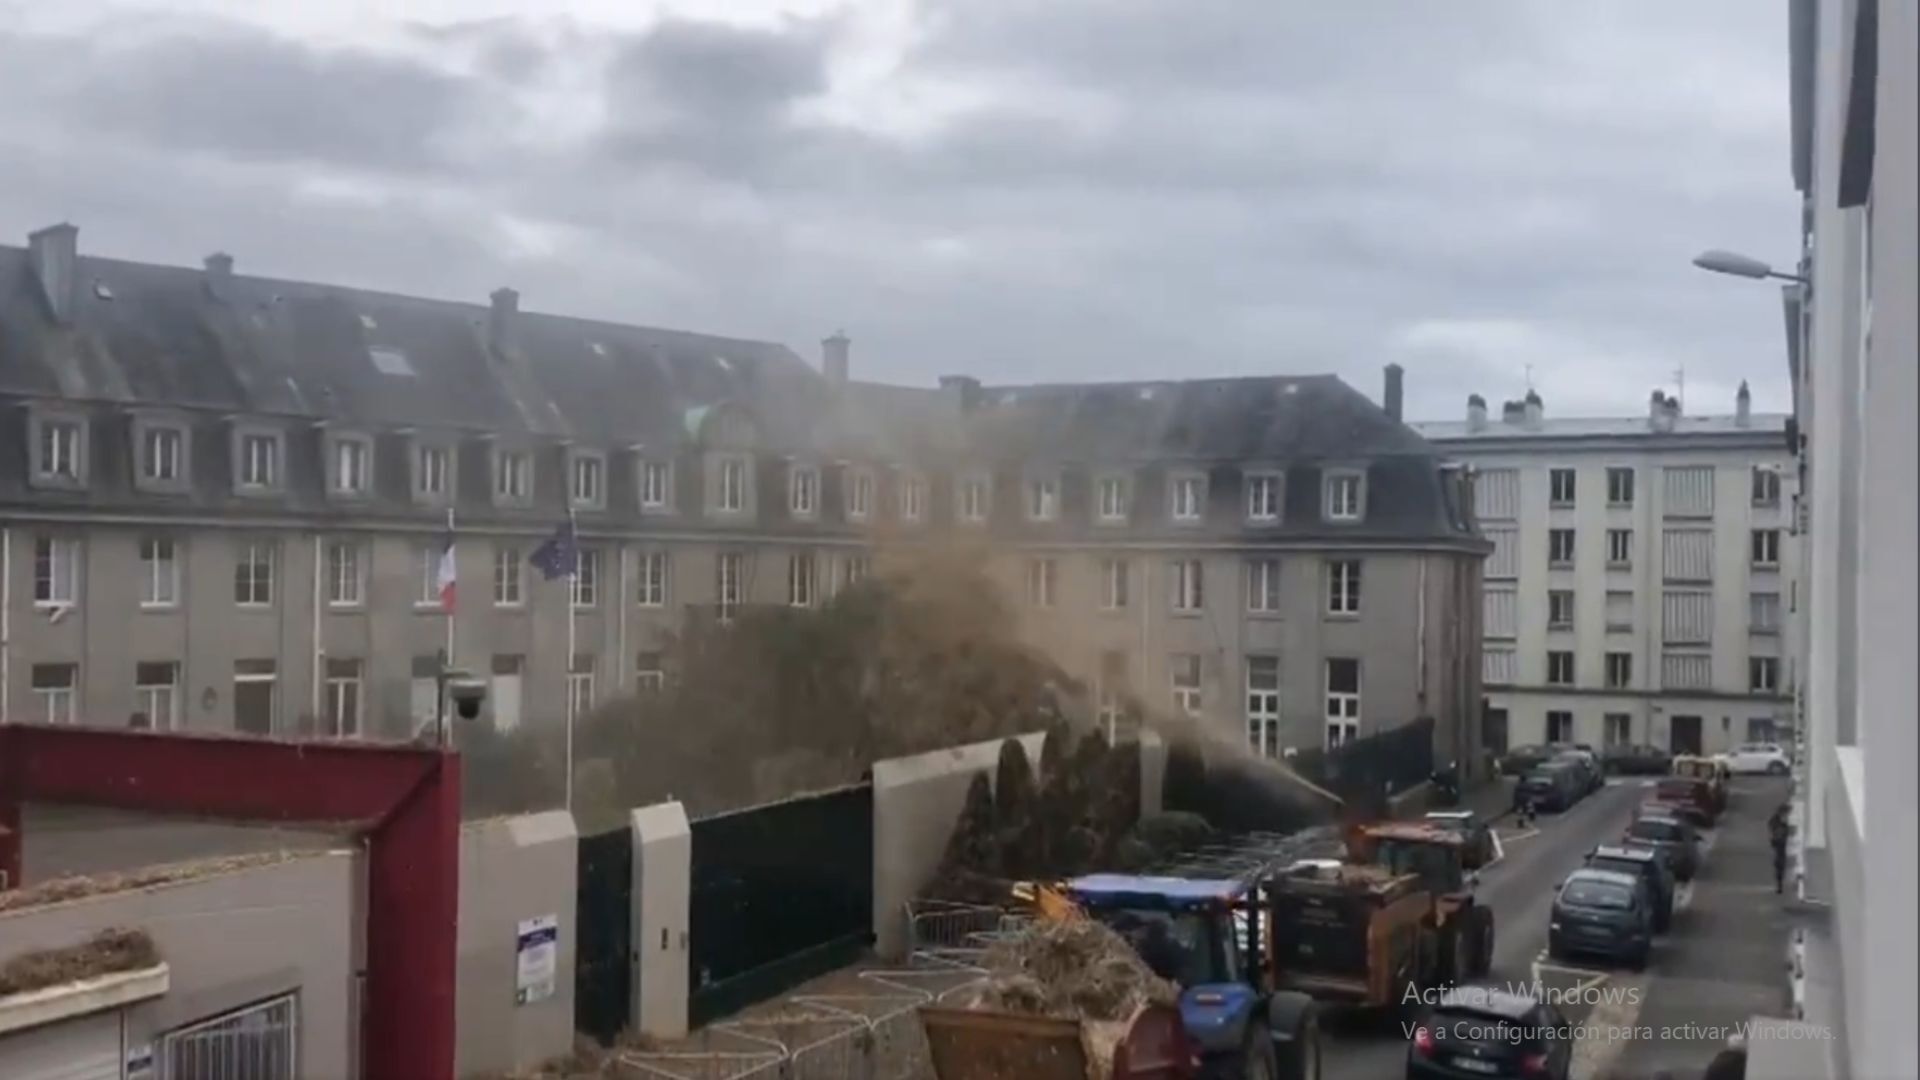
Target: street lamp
{"points": [[459, 686], [1746, 266]]}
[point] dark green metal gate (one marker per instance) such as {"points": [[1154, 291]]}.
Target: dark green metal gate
{"points": [[603, 971]]}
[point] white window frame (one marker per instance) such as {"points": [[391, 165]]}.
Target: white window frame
{"points": [[730, 484], [1187, 496], [426, 568], [159, 573], [1620, 548], [1562, 500], [1263, 586], [1187, 580], [1186, 680], [1345, 580], [1758, 601], [350, 465], [913, 498], [162, 454], [1112, 503], [1756, 665], [1616, 729], [975, 497], [56, 704], [803, 491], [1043, 582], [1557, 619], [432, 471], [586, 579], [1765, 555], [580, 685], [509, 577], [730, 570], [1766, 486], [160, 702], [1342, 707], [656, 485], [1116, 584], [346, 578], [1554, 656], [1554, 559], [1263, 705], [649, 673], [59, 453], [1554, 718], [56, 571], [1043, 498], [259, 466], [512, 475], [1264, 494], [1616, 499], [802, 579], [587, 480], [253, 555], [1345, 494], [1619, 670], [655, 571], [345, 700], [859, 494]]}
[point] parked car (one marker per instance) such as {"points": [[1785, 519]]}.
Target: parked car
{"points": [[1639, 759], [1588, 766], [1602, 913], [1553, 786], [1645, 863], [1476, 838], [1522, 760], [1483, 1032], [1689, 797], [1673, 838], [1713, 770], [1753, 758]]}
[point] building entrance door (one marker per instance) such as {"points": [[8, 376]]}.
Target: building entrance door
{"points": [[1683, 735]]}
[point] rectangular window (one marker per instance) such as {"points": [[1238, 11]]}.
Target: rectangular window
{"points": [[913, 498], [1185, 577], [1689, 491], [1343, 701], [161, 450], [1504, 563], [1043, 498], [1619, 610], [503, 696], [1619, 729], [159, 573], [431, 465], [653, 579], [586, 580], [507, 576], [803, 490], [156, 699], [1343, 496], [1559, 726], [1620, 548], [1687, 616], [426, 575], [1263, 705], [1559, 609], [343, 698], [1111, 691], [733, 485], [350, 466], [649, 673], [580, 685], [1686, 554], [1042, 577], [345, 581], [56, 571], [731, 568], [513, 476], [1500, 612], [259, 461], [1559, 668], [59, 450], [425, 692], [1343, 587], [973, 499], [253, 575], [1766, 549], [1496, 495], [1619, 670], [589, 481], [1560, 547], [254, 685], [1116, 580], [1184, 670], [1763, 674], [1560, 487], [856, 569], [1686, 671], [656, 485], [800, 582], [1113, 498], [1620, 486], [1263, 586], [1497, 667], [54, 689], [1766, 486], [1763, 612], [1263, 497], [1189, 494], [860, 495]]}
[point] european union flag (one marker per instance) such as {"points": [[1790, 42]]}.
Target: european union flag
{"points": [[559, 555]]}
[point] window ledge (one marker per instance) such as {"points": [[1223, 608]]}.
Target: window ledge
{"points": [[38, 1008]]}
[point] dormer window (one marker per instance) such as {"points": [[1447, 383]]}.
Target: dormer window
{"points": [[859, 495], [351, 464], [913, 498], [160, 454], [587, 479], [656, 485], [731, 495], [432, 472], [1345, 498], [972, 498], [512, 476], [1189, 494], [1113, 499], [1263, 497], [1043, 498], [803, 491], [257, 461], [59, 450]]}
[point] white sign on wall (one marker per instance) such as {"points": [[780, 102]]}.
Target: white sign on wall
{"points": [[537, 959]]}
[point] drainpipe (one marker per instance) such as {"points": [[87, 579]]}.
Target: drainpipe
{"points": [[6, 622], [313, 704], [620, 635]]}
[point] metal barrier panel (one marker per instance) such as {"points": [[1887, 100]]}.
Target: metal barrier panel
{"points": [[603, 971], [259, 1042], [780, 893]]}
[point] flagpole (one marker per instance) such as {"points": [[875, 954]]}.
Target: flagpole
{"points": [[456, 595], [573, 583]]}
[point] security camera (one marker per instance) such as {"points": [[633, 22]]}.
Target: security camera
{"points": [[467, 695]]}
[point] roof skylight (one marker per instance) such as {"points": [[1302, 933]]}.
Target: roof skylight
{"points": [[390, 361]]}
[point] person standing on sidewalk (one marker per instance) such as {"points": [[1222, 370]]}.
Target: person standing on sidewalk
{"points": [[1777, 830]]}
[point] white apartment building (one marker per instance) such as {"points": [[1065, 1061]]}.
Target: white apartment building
{"points": [[1642, 574]]}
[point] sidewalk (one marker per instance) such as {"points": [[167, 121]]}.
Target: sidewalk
{"points": [[1726, 959]]}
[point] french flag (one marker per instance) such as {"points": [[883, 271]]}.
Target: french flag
{"points": [[446, 576]]}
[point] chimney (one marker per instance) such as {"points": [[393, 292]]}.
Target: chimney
{"points": [[52, 252], [1476, 412], [960, 393], [220, 276], [1535, 409], [1390, 399], [833, 357], [506, 304], [1659, 412], [1512, 412], [1743, 405]]}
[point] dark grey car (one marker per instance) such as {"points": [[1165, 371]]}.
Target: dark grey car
{"points": [[1603, 913], [1672, 838], [1645, 863]]}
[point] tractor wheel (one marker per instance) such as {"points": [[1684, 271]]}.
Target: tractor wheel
{"points": [[1482, 942], [1257, 1058], [1297, 1016]]}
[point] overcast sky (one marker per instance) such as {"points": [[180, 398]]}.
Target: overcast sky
{"points": [[1022, 190]]}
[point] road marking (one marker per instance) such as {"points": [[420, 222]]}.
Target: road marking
{"points": [[1588, 977], [1523, 834]]}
